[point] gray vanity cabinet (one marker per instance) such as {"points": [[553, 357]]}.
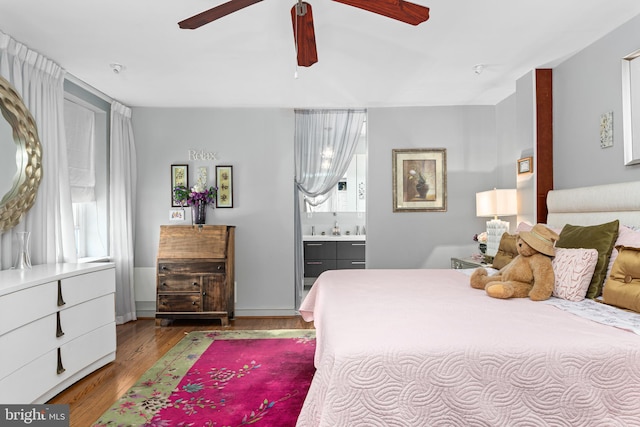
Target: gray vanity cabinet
{"points": [[350, 255], [320, 256]]}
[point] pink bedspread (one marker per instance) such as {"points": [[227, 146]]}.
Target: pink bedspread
{"points": [[422, 348]]}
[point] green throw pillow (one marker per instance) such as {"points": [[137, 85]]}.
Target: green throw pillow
{"points": [[601, 237]]}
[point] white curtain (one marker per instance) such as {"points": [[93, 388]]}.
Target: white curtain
{"points": [[324, 142], [122, 209], [80, 129], [39, 81]]}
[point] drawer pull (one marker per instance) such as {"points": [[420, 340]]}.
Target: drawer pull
{"points": [[219, 267], [314, 262], [314, 244], [358, 244], [60, 298], [164, 267], [164, 284], [195, 284], [204, 293], [193, 303], [59, 331], [60, 367], [357, 262]]}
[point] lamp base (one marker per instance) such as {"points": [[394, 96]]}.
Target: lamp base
{"points": [[495, 229]]}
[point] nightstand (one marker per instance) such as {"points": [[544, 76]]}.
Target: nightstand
{"points": [[458, 263]]}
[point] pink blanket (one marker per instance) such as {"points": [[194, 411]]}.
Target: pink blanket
{"points": [[421, 348]]}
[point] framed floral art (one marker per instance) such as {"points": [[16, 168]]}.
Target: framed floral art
{"points": [[179, 176], [419, 180], [224, 182]]}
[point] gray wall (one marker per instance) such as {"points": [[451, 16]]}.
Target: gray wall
{"points": [[258, 144], [585, 86], [483, 144], [429, 239]]}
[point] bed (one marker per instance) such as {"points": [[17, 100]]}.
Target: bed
{"points": [[449, 355]]}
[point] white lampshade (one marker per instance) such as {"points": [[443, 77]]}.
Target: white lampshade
{"points": [[494, 203], [497, 202]]}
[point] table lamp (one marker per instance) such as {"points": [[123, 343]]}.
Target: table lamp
{"points": [[495, 203]]}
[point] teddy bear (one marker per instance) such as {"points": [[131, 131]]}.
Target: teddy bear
{"points": [[529, 274]]}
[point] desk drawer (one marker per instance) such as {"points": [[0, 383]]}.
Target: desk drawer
{"points": [[179, 283], [180, 302], [182, 267]]}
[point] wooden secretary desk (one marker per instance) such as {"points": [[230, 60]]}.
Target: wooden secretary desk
{"points": [[195, 272]]}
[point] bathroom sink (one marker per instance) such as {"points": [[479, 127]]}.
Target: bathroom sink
{"points": [[330, 237]]}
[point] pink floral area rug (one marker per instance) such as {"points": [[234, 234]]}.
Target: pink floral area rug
{"points": [[222, 379]]}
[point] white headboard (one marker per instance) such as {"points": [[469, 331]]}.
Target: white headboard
{"points": [[595, 205]]}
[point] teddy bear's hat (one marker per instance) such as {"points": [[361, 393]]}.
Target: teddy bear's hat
{"points": [[541, 238]]}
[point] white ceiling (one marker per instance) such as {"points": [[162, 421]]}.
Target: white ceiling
{"points": [[247, 59]]}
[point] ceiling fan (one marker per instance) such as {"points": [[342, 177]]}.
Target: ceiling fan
{"points": [[302, 19]]}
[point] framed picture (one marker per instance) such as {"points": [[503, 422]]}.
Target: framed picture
{"points": [[525, 165], [224, 182], [179, 176], [606, 130], [176, 215], [419, 180]]}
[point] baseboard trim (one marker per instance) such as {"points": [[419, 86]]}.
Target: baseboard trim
{"points": [[264, 312]]}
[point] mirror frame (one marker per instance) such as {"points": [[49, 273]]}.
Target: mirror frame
{"points": [[24, 189], [631, 147]]}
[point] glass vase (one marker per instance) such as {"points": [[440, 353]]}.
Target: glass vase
{"points": [[23, 260], [199, 213]]}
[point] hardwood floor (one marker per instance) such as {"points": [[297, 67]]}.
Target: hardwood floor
{"points": [[140, 345]]}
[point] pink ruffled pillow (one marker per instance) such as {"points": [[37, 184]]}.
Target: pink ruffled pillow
{"points": [[573, 269]]}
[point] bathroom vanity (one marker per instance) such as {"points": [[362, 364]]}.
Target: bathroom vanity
{"points": [[329, 252]]}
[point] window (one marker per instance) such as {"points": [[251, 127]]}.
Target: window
{"points": [[86, 128]]}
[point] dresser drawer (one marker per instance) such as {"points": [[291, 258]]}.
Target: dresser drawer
{"points": [[35, 338], [179, 302], [179, 283], [28, 305], [191, 267], [83, 287], [43, 371]]}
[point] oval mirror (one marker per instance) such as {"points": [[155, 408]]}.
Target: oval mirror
{"points": [[25, 146]]}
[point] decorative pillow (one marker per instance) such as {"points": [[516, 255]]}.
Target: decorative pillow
{"points": [[623, 285], [627, 236], [506, 251], [573, 269], [601, 237]]}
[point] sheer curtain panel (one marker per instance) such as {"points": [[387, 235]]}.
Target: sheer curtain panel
{"points": [[39, 81], [324, 143], [122, 209]]}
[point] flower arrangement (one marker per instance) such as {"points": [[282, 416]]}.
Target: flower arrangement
{"points": [[198, 194], [480, 238], [418, 176]]}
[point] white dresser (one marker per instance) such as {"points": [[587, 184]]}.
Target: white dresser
{"points": [[57, 325]]}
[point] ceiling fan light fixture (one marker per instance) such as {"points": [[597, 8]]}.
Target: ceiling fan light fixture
{"points": [[116, 68], [478, 68]]}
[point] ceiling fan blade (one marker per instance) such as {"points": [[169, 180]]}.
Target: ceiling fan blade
{"points": [[400, 10], [304, 35], [217, 12]]}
